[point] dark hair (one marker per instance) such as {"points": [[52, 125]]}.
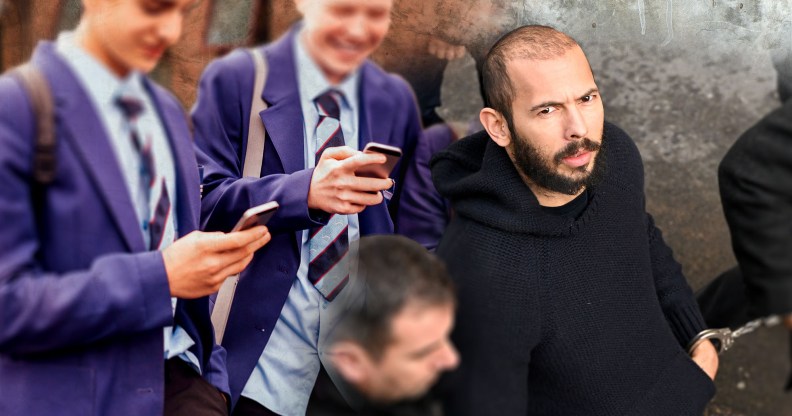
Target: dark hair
{"points": [[396, 272], [526, 42]]}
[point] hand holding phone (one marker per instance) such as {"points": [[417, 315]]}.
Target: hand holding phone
{"points": [[381, 171], [258, 215]]}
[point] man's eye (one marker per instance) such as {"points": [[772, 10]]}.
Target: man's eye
{"points": [[344, 11], [547, 110], [377, 14], [154, 7], [588, 98]]}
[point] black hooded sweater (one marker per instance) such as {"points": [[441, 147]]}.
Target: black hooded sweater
{"points": [[564, 316]]}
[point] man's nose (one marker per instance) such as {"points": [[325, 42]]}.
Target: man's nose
{"points": [[448, 359], [576, 128], [358, 26], [170, 27]]}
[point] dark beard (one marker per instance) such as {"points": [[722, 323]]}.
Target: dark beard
{"points": [[543, 172]]}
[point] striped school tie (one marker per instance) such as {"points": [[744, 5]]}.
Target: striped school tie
{"points": [[156, 216], [329, 244]]}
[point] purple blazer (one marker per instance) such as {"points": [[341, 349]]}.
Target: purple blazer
{"points": [[388, 115], [424, 213], [82, 301]]}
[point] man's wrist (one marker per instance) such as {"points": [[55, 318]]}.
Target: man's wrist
{"points": [[721, 339]]}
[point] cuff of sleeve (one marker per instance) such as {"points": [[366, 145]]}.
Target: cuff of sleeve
{"points": [[294, 213], [156, 290], [216, 373], [316, 216], [686, 322]]}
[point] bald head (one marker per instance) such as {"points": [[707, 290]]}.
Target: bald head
{"points": [[532, 42]]}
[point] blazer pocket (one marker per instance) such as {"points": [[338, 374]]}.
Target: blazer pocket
{"points": [[36, 388]]}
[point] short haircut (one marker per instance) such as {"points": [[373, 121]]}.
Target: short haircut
{"points": [[396, 272], [527, 42]]}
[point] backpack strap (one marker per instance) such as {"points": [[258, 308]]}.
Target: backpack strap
{"points": [[38, 89], [254, 153], [251, 167]]}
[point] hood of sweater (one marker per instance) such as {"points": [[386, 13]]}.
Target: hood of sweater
{"points": [[483, 185]]}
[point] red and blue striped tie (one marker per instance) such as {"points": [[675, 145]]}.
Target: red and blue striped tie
{"points": [[329, 244], [157, 216]]}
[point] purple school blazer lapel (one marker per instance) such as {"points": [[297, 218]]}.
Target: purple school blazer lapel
{"points": [[85, 133], [283, 118]]}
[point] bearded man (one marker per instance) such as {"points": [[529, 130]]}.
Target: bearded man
{"points": [[570, 302]]}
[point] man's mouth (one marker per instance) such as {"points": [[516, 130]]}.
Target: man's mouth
{"points": [[349, 48], [577, 160], [577, 154], [154, 52]]}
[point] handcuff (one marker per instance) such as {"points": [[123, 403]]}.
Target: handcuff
{"points": [[722, 339]]}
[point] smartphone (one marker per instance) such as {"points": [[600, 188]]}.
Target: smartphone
{"points": [[258, 215], [393, 154]]}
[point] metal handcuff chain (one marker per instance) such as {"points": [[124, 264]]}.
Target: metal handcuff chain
{"points": [[723, 338]]}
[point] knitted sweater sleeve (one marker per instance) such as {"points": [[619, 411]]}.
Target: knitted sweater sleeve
{"points": [[673, 292], [675, 295]]}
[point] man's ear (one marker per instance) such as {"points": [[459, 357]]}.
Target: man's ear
{"points": [[496, 126], [352, 361]]}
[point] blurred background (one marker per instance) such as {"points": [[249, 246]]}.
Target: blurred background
{"points": [[684, 79]]}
